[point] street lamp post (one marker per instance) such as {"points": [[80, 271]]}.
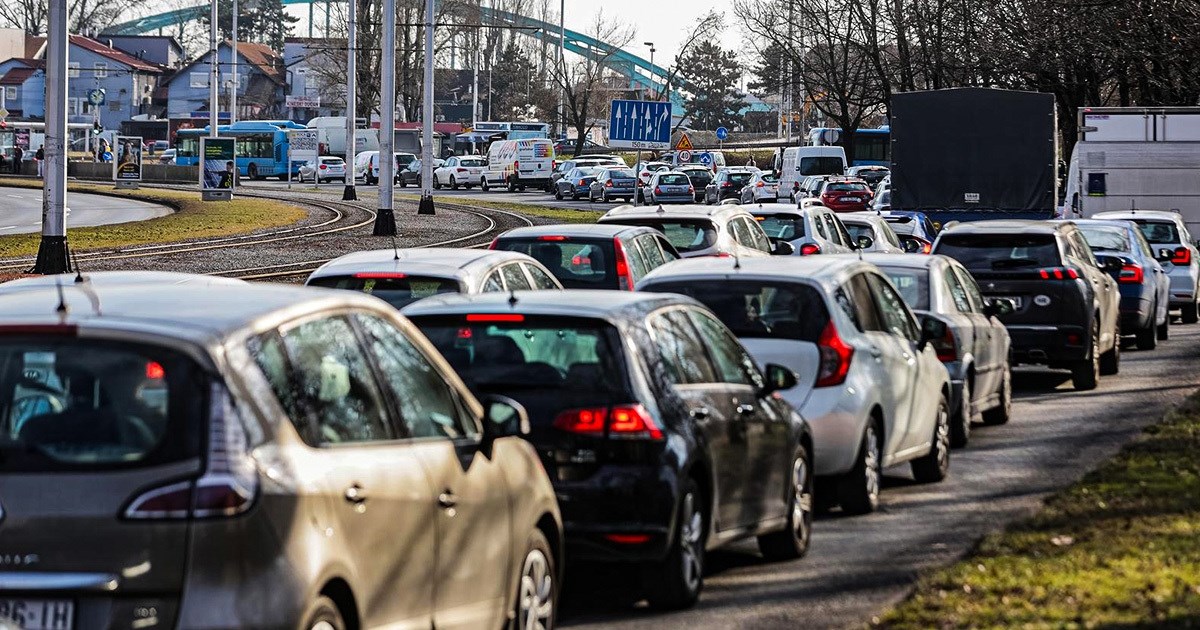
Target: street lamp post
{"points": [[53, 256], [652, 81], [349, 193], [233, 65], [385, 219], [562, 61], [214, 73], [426, 205]]}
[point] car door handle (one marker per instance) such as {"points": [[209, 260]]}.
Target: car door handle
{"points": [[447, 500], [355, 494], [700, 413]]}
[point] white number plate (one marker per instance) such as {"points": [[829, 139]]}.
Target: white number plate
{"points": [[38, 614], [848, 199]]}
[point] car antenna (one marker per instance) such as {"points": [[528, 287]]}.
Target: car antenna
{"points": [[737, 260], [78, 272], [1132, 206], [512, 298], [62, 308], [395, 250], [660, 208]]}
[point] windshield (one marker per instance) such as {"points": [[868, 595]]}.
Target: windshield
{"points": [[1159, 232], [68, 403], [773, 310], [685, 236], [782, 226], [1001, 251], [674, 179], [828, 165], [577, 263], [397, 291], [404, 159], [1106, 239], [913, 285]]}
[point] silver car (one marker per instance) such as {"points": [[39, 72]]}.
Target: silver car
{"points": [[813, 229], [670, 187], [694, 230], [403, 276], [869, 224], [871, 385], [265, 457], [1167, 231]]}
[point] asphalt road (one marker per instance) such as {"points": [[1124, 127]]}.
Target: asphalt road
{"points": [[21, 210], [858, 566]]}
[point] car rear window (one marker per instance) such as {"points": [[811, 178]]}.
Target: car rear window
{"points": [[685, 236], [770, 178], [998, 252], [772, 310], [622, 173], [913, 285], [471, 162], [902, 225], [399, 292], [1159, 232], [846, 187], [70, 404], [740, 178], [1102, 239], [674, 180], [332, 161], [782, 226], [578, 263], [859, 229], [828, 165]]}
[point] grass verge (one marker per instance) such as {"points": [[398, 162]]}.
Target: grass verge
{"points": [[192, 219], [1121, 548]]}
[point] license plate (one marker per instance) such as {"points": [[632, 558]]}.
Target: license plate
{"points": [[847, 199], [38, 614]]}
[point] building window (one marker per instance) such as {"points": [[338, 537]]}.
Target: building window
{"points": [[10, 93], [73, 106], [101, 70], [198, 80], [73, 70], [114, 106]]}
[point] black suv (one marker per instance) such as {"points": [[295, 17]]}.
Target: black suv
{"points": [[1066, 308], [661, 436], [727, 184]]}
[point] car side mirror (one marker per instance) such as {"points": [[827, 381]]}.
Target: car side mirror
{"points": [[781, 247], [865, 242], [932, 329], [1165, 255], [779, 379], [503, 417], [911, 246], [1110, 264], [998, 307]]}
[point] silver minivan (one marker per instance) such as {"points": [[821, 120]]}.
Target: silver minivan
{"points": [[263, 456]]}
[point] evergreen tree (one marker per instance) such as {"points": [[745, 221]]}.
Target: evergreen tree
{"points": [[259, 22], [767, 72], [712, 74]]}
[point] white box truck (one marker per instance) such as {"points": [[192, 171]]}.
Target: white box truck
{"points": [[331, 135]]}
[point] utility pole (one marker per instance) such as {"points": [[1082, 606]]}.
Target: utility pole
{"points": [[562, 64], [653, 80], [349, 194], [234, 66], [385, 219], [214, 75], [426, 206], [53, 254], [475, 73]]}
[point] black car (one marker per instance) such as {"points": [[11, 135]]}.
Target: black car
{"points": [[700, 177], [576, 183], [662, 438], [727, 184], [1065, 306], [583, 256]]}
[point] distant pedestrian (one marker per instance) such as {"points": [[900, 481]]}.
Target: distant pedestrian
{"points": [[751, 163], [40, 158], [18, 155]]}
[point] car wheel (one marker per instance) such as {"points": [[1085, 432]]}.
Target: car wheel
{"points": [[453, 183], [252, 171], [604, 197], [537, 586], [675, 583], [1001, 412], [403, 183], [1085, 374], [512, 183], [1164, 329], [324, 615], [370, 180], [437, 183], [936, 465], [858, 490], [1147, 338], [483, 184], [558, 196], [1190, 314], [960, 424], [792, 541], [1110, 362]]}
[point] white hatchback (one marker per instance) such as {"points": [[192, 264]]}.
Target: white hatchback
{"points": [[459, 171]]}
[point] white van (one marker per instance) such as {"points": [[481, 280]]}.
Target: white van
{"points": [[366, 166], [516, 164], [331, 136], [801, 162]]}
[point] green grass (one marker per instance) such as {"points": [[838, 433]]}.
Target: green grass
{"points": [[1121, 548], [192, 219]]}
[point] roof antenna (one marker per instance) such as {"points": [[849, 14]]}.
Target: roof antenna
{"points": [[1132, 206], [512, 298], [395, 250], [737, 260], [78, 272], [61, 309]]}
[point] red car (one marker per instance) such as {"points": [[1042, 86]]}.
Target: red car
{"points": [[846, 195]]}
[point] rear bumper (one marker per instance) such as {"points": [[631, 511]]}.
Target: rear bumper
{"points": [[684, 198], [1047, 344], [629, 500], [837, 417], [1136, 314]]}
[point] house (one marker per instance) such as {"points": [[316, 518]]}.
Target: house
{"points": [[127, 83], [316, 77], [162, 50], [23, 89], [261, 84]]}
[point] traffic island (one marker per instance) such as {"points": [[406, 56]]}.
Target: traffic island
{"points": [[1121, 548]]}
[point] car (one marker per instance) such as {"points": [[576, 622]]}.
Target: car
{"points": [[603, 158], [646, 170], [695, 230], [808, 188], [842, 194], [580, 256], [811, 230], [158, 146], [1066, 308], [166, 157], [306, 441], [700, 176], [882, 201], [670, 187], [975, 346], [403, 276], [459, 171], [366, 166], [567, 146], [871, 174], [871, 385], [662, 437], [562, 168], [874, 227], [613, 182], [914, 229], [763, 186], [1122, 250], [324, 169], [411, 173], [728, 184], [576, 182], [1167, 231], [517, 164]]}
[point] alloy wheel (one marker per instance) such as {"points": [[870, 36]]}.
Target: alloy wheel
{"points": [[943, 437], [690, 543], [872, 461], [802, 503], [537, 592], [322, 625]]}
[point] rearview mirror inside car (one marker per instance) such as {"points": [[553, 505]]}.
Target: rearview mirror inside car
{"points": [[779, 378], [997, 307], [931, 328], [865, 242]]}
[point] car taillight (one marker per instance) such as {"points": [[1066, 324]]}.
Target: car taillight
{"points": [[323, 167], [582, 183], [835, 357], [759, 185], [229, 484], [516, 166], [726, 185], [657, 190], [808, 249], [1182, 256], [692, 189], [380, 275], [624, 277], [622, 422], [1058, 273], [1131, 274], [608, 184], [926, 247], [461, 170], [495, 241], [946, 347]]}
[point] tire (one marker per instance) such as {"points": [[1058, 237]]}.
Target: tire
{"points": [[1147, 338], [453, 183], [323, 614], [1001, 413], [1085, 375], [1164, 329], [483, 184], [512, 183], [858, 490], [1190, 314], [558, 196], [604, 196], [252, 171], [536, 605], [403, 183], [675, 583], [437, 183], [934, 467], [793, 540], [1110, 362], [370, 181], [960, 423]]}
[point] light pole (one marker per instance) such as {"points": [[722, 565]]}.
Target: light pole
{"points": [[652, 81], [562, 64], [349, 193], [426, 205], [234, 67], [385, 219], [53, 256], [214, 74]]}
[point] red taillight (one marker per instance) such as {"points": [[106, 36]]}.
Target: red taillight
{"points": [[628, 539], [608, 184], [582, 182], [657, 190], [323, 167], [926, 247], [835, 357], [380, 275], [946, 347], [692, 189], [495, 241], [461, 170], [40, 329], [624, 277], [1131, 274], [1058, 273], [808, 249], [759, 185], [552, 237], [155, 371], [726, 185], [495, 317], [627, 422], [1182, 256], [516, 166], [465, 333]]}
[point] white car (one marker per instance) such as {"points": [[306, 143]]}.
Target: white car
{"points": [[455, 171], [875, 228], [764, 186], [871, 385], [646, 170], [324, 169]]}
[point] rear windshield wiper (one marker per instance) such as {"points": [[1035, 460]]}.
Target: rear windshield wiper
{"points": [[1013, 263]]}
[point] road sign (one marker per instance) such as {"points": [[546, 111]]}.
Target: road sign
{"points": [[639, 125], [302, 145], [722, 134], [3, 113], [685, 156], [684, 144], [706, 159], [96, 96]]}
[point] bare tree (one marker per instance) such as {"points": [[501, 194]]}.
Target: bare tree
{"points": [[87, 16], [582, 80]]}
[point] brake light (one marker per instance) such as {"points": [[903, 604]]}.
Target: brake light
{"points": [[624, 277], [552, 237], [808, 249], [759, 185], [608, 184], [726, 184], [1058, 273], [835, 357], [495, 317], [323, 167], [40, 329], [657, 190], [946, 347], [582, 183], [381, 275], [692, 189], [1131, 274], [495, 241], [926, 247], [1183, 256], [516, 166], [155, 371], [622, 422], [628, 539], [461, 170]]}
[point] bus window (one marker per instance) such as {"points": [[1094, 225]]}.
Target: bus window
{"points": [[187, 146]]}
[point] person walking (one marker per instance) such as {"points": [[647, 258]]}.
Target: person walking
{"points": [[40, 158], [18, 155]]}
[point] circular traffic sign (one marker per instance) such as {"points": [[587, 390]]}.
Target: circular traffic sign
{"points": [[722, 133], [685, 156], [706, 159]]}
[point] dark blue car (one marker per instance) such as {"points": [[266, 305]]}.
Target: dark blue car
{"points": [[915, 230]]}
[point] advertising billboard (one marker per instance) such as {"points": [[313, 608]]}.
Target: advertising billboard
{"points": [[128, 165], [219, 168]]}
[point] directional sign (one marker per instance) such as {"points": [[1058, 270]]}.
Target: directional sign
{"points": [[3, 113], [706, 159], [722, 134], [639, 125], [684, 144]]}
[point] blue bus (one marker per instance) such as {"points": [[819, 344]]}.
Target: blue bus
{"points": [[261, 147], [872, 147]]}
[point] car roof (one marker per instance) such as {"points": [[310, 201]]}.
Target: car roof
{"points": [[757, 209], [908, 261], [578, 230], [118, 278], [609, 305], [861, 217], [1104, 223], [686, 211], [1003, 226], [1138, 214], [433, 261], [825, 270]]}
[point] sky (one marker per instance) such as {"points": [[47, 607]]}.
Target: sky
{"points": [[664, 22]]}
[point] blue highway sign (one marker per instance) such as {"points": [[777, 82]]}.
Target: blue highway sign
{"points": [[639, 125]]}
